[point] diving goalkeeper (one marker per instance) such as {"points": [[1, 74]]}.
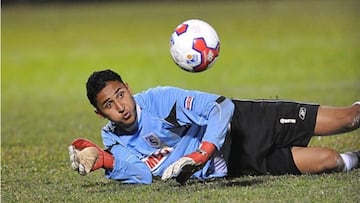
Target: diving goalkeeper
{"points": [[175, 133]]}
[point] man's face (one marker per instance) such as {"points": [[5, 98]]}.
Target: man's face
{"points": [[116, 103]]}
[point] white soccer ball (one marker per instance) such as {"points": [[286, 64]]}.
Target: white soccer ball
{"points": [[194, 45]]}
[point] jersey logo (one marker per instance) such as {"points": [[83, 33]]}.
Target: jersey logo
{"points": [[188, 102], [153, 140], [287, 120], [154, 160], [302, 113]]}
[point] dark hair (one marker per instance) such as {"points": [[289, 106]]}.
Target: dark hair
{"points": [[97, 81]]}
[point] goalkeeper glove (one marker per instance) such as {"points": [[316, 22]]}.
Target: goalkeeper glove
{"points": [[183, 168], [86, 156]]}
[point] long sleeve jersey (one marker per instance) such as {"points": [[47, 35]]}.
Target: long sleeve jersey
{"points": [[171, 123]]}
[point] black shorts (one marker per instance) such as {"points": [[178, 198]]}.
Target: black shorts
{"points": [[263, 133]]}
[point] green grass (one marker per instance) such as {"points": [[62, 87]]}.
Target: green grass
{"points": [[282, 49]]}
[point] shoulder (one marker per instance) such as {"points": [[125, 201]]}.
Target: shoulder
{"points": [[109, 127], [161, 89], [159, 92]]}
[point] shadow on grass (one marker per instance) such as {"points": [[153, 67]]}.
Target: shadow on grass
{"points": [[243, 183], [220, 182], [110, 186]]}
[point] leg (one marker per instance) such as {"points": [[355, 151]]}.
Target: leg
{"points": [[317, 159], [334, 120], [329, 121], [320, 159]]}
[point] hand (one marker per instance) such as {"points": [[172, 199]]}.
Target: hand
{"points": [[84, 160], [183, 168], [86, 156]]}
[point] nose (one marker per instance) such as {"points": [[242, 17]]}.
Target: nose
{"points": [[121, 110], [120, 107]]}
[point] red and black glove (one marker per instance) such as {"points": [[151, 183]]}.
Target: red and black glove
{"points": [[183, 168], [86, 156]]}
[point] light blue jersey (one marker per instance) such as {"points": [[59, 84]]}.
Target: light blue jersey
{"points": [[172, 122]]}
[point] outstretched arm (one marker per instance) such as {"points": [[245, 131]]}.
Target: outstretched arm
{"points": [[213, 139], [86, 156]]}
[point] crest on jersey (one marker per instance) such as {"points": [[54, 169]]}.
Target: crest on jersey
{"points": [[153, 140], [188, 102]]}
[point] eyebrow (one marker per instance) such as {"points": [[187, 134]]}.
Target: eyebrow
{"points": [[116, 91]]}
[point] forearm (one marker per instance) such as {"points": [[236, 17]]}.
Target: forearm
{"points": [[218, 123], [218, 120], [128, 168]]}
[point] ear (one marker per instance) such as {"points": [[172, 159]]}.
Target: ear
{"points": [[99, 113]]}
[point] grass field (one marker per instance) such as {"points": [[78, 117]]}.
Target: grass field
{"points": [[280, 49]]}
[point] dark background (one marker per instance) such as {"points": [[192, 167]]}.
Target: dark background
{"points": [[9, 2]]}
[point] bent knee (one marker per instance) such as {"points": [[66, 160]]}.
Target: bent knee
{"points": [[351, 118], [354, 120], [315, 159], [328, 160], [334, 120]]}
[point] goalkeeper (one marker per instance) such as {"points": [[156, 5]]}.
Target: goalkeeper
{"points": [[175, 133]]}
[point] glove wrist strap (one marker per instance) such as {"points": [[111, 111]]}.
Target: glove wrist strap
{"points": [[206, 149], [203, 153], [108, 161]]}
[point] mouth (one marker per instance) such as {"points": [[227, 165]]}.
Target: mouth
{"points": [[126, 115]]}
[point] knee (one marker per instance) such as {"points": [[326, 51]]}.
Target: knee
{"points": [[354, 120], [329, 160], [351, 119], [333, 120]]}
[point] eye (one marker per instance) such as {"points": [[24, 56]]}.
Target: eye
{"points": [[108, 105], [120, 94]]}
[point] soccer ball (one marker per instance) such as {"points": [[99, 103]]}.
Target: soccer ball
{"points": [[194, 45]]}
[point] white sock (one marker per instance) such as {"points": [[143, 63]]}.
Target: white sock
{"points": [[350, 160]]}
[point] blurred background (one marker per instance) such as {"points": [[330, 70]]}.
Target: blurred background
{"points": [[294, 50], [77, 1]]}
